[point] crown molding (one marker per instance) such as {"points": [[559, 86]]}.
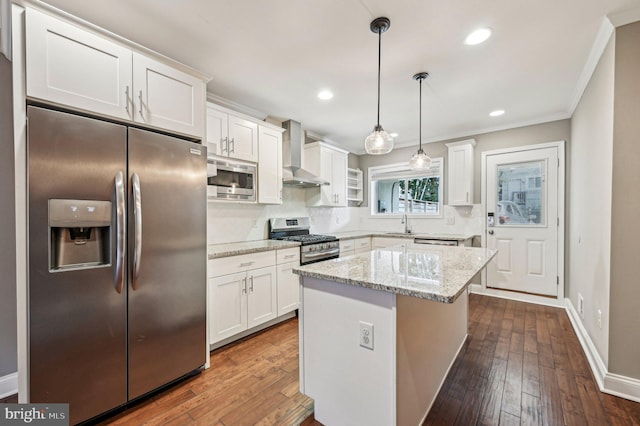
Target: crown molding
{"points": [[227, 103]]}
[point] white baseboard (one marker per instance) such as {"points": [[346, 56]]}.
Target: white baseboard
{"points": [[614, 384], [513, 295], [8, 385]]}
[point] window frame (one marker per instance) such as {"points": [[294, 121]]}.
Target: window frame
{"points": [[374, 171]]}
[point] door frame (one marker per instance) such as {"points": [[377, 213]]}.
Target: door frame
{"points": [[526, 297]]}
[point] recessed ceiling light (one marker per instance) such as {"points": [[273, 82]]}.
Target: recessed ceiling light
{"points": [[496, 113], [325, 95], [393, 135], [478, 36]]}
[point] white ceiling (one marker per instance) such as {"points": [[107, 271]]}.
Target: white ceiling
{"points": [[274, 56]]}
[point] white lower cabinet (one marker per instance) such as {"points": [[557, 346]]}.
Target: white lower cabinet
{"points": [[249, 290], [362, 245], [241, 301], [347, 248], [288, 282], [382, 242]]}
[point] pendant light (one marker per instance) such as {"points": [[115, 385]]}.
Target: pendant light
{"points": [[420, 160], [379, 141]]}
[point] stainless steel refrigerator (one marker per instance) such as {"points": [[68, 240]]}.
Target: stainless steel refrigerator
{"points": [[117, 260]]}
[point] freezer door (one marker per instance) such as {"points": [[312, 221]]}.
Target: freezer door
{"points": [[167, 246], [77, 303]]}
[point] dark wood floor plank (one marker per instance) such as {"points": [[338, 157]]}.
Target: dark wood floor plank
{"points": [[531, 374], [470, 410], [512, 396], [531, 414], [508, 419], [550, 401], [492, 401]]}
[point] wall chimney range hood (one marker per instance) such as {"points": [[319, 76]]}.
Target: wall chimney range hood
{"points": [[294, 174]]}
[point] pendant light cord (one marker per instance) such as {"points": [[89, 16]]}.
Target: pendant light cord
{"points": [[420, 117], [379, 62]]}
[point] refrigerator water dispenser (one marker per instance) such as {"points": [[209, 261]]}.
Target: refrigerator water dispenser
{"points": [[80, 234]]}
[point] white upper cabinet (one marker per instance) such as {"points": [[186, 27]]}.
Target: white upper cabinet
{"points": [[229, 135], [460, 174], [166, 97], [72, 66], [269, 166], [330, 164]]}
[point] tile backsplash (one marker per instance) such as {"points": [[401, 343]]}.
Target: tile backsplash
{"points": [[233, 221]]}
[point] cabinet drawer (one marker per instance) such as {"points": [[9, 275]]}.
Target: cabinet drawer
{"points": [[288, 255], [362, 244], [347, 245], [244, 262]]}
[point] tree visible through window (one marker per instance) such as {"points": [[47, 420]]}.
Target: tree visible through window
{"points": [[397, 190]]}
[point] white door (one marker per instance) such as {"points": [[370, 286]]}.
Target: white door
{"points": [[261, 296], [288, 288], [70, 66], [217, 132], [167, 98], [228, 306], [269, 166], [522, 202], [243, 139]]}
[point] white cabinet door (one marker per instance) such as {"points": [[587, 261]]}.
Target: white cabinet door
{"points": [[70, 66], [261, 296], [166, 97], [460, 174], [228, 306], [339, 178], [217, 132], [243, 139], [382, 242], [269, 166], [362, 245], [288, 288]]}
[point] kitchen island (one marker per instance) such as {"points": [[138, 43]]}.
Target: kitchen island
{"points": [[379, 331]]}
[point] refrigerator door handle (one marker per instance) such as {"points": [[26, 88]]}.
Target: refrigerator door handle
{"points": [[137, 225], [120, 231]]}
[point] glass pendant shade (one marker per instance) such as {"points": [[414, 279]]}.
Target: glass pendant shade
{"points": [[419, 161], [378, 142]]}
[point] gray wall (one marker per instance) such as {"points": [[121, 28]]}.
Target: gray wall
{"points": [[624, 350], [8, 348], [588, 242], [540, 133]]}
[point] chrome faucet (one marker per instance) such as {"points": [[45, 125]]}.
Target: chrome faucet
{"points": [[405, 222]]}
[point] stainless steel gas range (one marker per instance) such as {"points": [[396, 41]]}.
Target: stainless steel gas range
{"points": [[314, 248]]}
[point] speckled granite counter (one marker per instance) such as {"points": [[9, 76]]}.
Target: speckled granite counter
{"points": [[435, 273], [232, 249], [348, 235]]}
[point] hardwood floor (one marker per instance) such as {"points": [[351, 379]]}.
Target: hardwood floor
{"points": [[521, 365]]}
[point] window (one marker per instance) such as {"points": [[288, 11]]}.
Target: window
{"points": [[395, 189]]}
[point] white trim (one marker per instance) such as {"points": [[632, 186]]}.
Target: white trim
{"points": [[8, 385], [560, 145], [5, 28], [512, 295], [611, 383], [624, 18], [473, 133], [604, 33], [232, 106], [20, 164]]}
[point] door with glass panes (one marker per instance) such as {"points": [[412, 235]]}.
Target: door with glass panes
{"points": [[522, 220]]}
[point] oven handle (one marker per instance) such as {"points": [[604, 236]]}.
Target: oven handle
{"points": [[324, 253]]}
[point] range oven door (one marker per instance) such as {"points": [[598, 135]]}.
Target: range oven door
{"points": [[319, 252]]}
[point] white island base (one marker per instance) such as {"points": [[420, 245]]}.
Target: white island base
{"points": [[415, 342]]}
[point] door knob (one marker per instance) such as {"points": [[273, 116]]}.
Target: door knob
{"points": [[490, 231]]}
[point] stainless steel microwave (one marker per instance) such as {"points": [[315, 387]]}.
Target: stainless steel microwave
{"points": [[229, 179]]}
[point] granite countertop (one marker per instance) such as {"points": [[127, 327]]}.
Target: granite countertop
{"points": [[233, 249], [437, 273], [348, 235]]}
